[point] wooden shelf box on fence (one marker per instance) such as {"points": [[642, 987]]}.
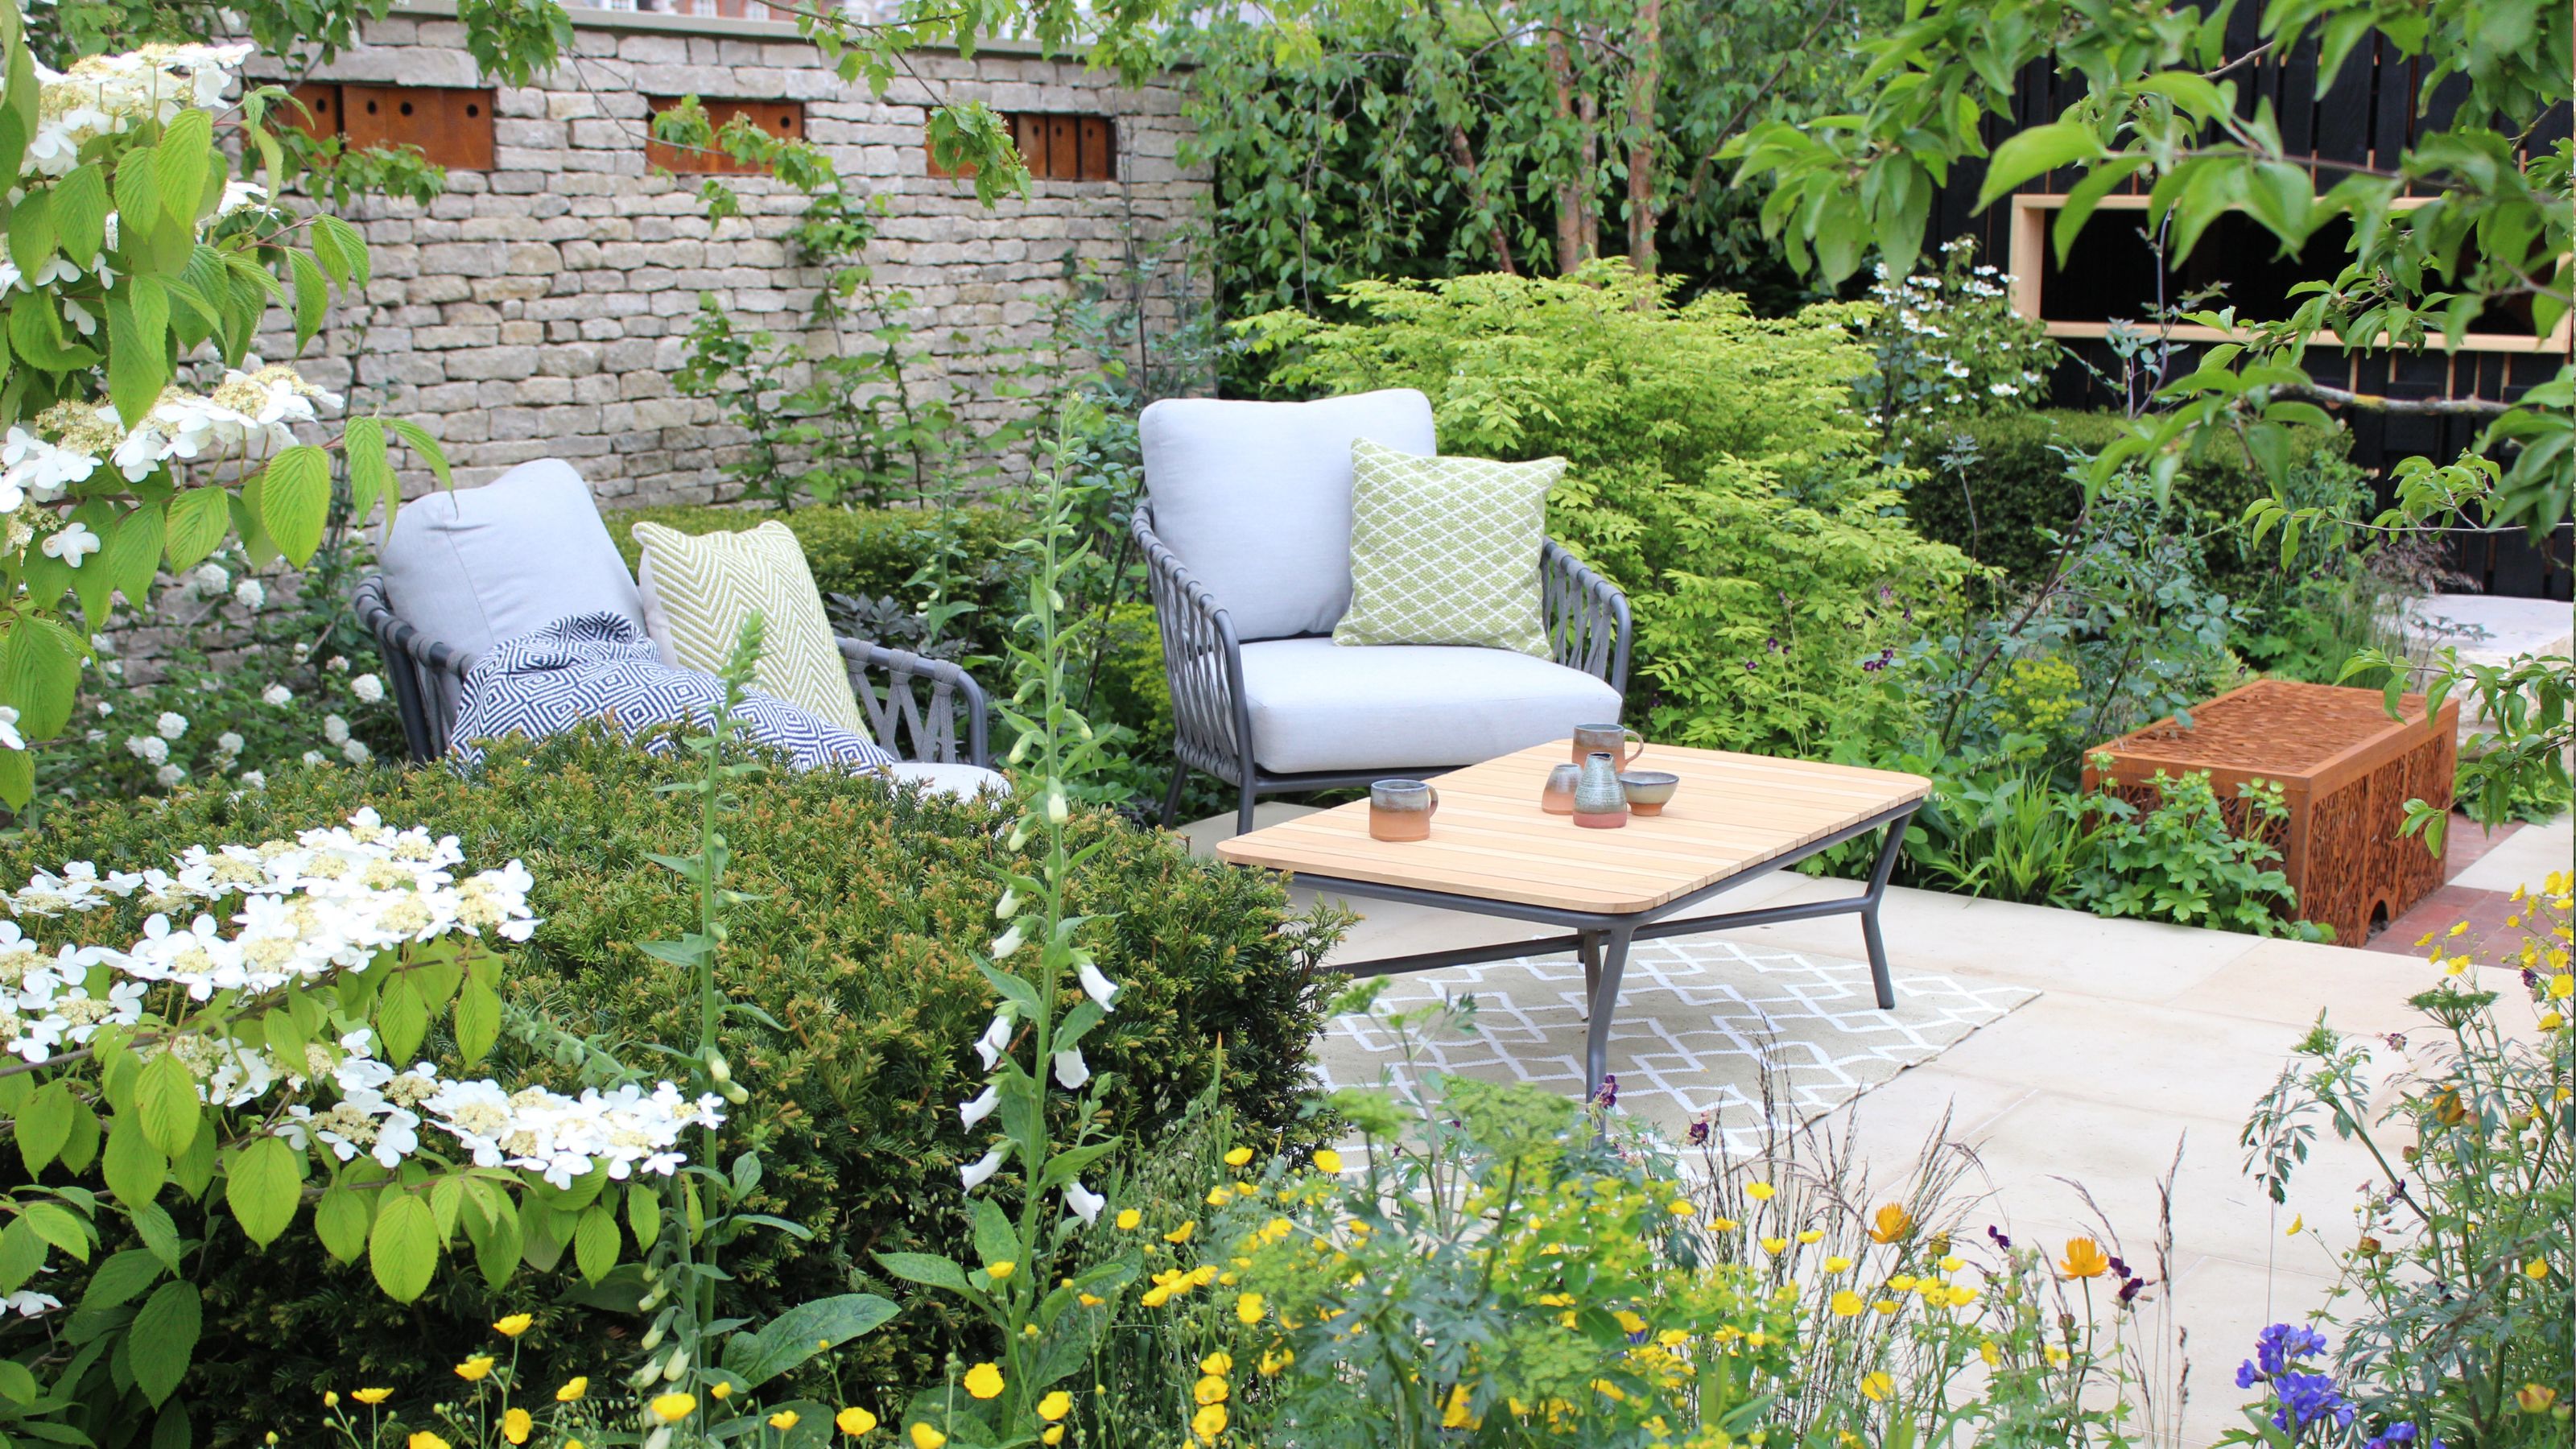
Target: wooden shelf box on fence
{"points": [[2346, 771]]}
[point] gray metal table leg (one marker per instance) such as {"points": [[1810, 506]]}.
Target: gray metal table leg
{"points": [[1589, 948], [1877, 892], [1605, 1005]]}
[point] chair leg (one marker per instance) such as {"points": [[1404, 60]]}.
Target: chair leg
{"points": [[1243, 811], [1172, 797]]}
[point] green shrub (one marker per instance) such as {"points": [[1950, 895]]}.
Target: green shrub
{"points": [[857, 939], [1999, 508], [1719, 476]]}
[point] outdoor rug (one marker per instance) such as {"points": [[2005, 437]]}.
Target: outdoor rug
{"points": [[1698, 1019]]}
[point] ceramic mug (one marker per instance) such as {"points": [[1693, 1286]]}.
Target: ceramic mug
{"points": [[1556, 797], [1401, 810], [1610, 737]]}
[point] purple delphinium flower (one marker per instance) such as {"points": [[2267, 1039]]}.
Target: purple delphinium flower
{"points": [[2404, 1435], [1997, 1234], [2299, 1397], [1608, 1096], [1697, 1136]]}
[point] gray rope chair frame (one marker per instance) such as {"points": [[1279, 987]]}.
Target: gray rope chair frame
{"points": [[923, 709], [1585, 615]]}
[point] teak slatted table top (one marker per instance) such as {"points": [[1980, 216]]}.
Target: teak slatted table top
{"points": [[1490, 841]]}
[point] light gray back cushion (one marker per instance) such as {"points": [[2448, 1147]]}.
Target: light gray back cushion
{"points": [[478, 566], [1255, 497]]}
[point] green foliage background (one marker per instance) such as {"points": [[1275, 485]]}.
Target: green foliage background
{"points": [[864, 910]]}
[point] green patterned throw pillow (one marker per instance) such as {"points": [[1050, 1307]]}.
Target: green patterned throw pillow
{"points": [[1445, 550], [697, 590]]}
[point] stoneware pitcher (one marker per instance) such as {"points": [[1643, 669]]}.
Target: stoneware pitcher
{"points": [[1599, 801]]}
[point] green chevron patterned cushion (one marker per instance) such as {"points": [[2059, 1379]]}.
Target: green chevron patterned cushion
{"points": [[1445, 550], [697, 590]]}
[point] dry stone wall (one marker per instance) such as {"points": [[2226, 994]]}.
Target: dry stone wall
{"points": [[539, 308]]}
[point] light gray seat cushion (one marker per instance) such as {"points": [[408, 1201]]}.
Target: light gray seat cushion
{"points": [[1255, 498], [1318, 706], [963, 781], [477, 566]]}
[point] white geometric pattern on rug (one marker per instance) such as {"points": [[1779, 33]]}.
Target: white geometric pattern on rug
{"points": [[1697, 1018]]}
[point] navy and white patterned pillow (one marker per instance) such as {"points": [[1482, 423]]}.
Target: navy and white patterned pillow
{"points": [[597, 667]]}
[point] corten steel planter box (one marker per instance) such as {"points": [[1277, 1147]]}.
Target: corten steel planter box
{"points": [[2346, 771]]}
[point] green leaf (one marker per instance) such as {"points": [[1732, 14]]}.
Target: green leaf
{"points": [[498, 1246], [22, 1252], [17, 777], [644, 1215], [371, 474], [595, 1242], [312, 298], [402, 1250], [31, 231], [2034, 152], [180, 162], [165, 1100], [342, 250], [44, 1125], [800, 1333], [262, 1185], [417, 438], [120, 1278], [132, 557], [138, 354], [134, 1168], [927, 1269], [199, 519], [340, 1221], [193, 1171], [402, 1018], [478, 1021], [80, 214], [996, 1241], [17, 1384], [138, 200], [163, 1338], [295, 501]]}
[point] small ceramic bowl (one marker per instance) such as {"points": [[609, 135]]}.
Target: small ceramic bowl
{"points": [[1649, 790]]}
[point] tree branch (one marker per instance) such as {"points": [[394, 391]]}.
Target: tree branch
{"points": [[2371, 402]]}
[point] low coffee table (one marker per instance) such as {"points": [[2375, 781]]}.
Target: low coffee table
{"points": [[1492, 851]]}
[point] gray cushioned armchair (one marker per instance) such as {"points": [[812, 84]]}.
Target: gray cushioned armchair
{"points": [[1247, 535]]}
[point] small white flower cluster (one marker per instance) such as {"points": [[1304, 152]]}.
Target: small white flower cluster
{"points": [[107, 95], [329, 901], [248, 417]]}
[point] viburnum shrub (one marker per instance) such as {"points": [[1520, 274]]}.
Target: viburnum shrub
{"points": [[259, 1054], [140, 430]]}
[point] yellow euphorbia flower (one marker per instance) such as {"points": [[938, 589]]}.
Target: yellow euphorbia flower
{"points": [[784, 1420], [926, 1437], [573, 1389], [984, 1381], [372, 1397], [473, 1369], [854, 1421], [2084, 1259], [672, 1408], [1239, 1156], [517, 1425], [1055, 1405], [514, 1325]]}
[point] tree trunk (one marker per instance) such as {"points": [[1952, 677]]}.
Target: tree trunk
{"points": [[1465, 156], [1644, 85], [1571, 243]]}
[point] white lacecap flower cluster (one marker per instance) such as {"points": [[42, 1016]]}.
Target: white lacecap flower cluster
{"points": [[329, 901], [108, 95], [248, 417]]}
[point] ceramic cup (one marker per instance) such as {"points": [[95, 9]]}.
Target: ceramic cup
{"points": [[1401, 810], [1649, 791], [1614, 738], [1557, 796]]}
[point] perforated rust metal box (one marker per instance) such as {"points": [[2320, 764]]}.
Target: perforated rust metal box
{"points": [[2346, 771]]}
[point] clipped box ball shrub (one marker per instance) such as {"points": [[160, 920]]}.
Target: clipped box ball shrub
{"points": [[867, 908]]}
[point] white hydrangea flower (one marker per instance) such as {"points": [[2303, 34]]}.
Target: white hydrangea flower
{"points": [[335, 729], [171, 724], [255, 779], [316, 757], [277, 694], [368, 688], [229, 743], [211, 580], [356, 752], [249, 594], [169, 776]]}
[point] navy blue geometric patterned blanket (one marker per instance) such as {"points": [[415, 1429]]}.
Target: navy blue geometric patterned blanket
{"points": [[596, 667]]}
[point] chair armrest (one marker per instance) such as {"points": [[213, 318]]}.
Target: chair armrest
{"points": [[918, 728], [427, 675], [1586, 617], [1202, 661]]}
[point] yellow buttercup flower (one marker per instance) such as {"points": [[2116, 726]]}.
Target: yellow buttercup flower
{"points": [[1848, 1304], [1760, 1191], [1219, 1362], [1723, 1225], [984, 1381], [1877, 1386], [2535, 1270], [854, 1421], [672, 1408], [1208, 1423], [1001, 1272], [1454, 1415], [2535, 1398], [1210, 1390], [1892, 1224], [473, 1369], [1838, 1264], [1089, 1300], [2562, 986], [1629, 1322], [514, 1325], [785, 1419], [330, 1399], [1247, 1308], [1273, 1360], [517, 1425], [1953, 1263], [1219, 1196], [1812, 1235], [425, 1440], [1993, 1356], [1128, 1218], [1054, 1435], [720, 1391], [2297, 1221], [1182, 1233], [1238, 1157], [1774, 1245], [2084, 1259], [372, 1397], [1328, 1162], [573, 1389], [926, 1437], [1055, 1405], [1681, 1207]]}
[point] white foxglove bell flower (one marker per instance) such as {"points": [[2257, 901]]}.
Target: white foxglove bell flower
{"points": [[1008, 906], [981, 1170], [1071, 1071], [1100, 988], [982, 1107], [1009, 942], [1085, 1203], [1055, 807], [997, 1036]]}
